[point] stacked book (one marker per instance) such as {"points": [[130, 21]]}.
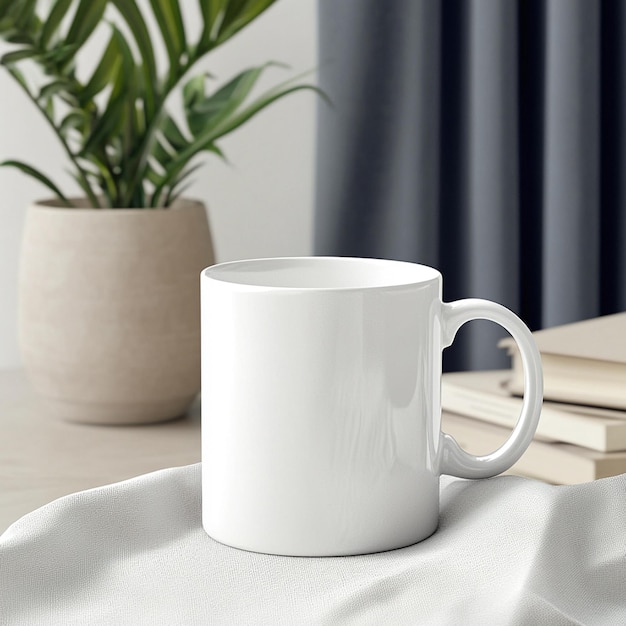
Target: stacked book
{"points": [[582, 430]]}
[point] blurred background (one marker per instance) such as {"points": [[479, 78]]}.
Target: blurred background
{"points": [[484, 138], [261, 204]]}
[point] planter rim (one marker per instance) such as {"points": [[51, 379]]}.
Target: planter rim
{"points": [[80, 206]]}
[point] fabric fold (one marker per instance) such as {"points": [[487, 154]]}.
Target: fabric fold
{"points": [[508, 550]]}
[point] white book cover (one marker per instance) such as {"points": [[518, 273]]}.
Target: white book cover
{"points": [[483, 396]]}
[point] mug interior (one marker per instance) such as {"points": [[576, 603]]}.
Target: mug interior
{"points": [[322, 273]]}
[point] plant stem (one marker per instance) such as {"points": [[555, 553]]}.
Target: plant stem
{"points": [[152, 124], [86, 186]]}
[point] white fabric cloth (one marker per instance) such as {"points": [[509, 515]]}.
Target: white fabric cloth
{"points": [[508, 551]]}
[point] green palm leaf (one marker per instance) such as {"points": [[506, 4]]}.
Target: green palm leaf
{"points": [[105, 72], [14, 10], [170, 21], [53, 21], [36, 174], [75, 119], [111, 118], [114, 125], [207, 139], [18, 55], [173, 133], [133, 17], [207, 112], [53, 88], [212, 15], [88, 15], [240, 13], [27, 16], [5, 5], [178, 188]]}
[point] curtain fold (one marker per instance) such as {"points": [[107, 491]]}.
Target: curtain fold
{"points": [[485, 138], [378, 145], [613, 157], [486, 255], [571, 203]]}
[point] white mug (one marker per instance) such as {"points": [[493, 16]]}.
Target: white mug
{"points": [[321, 407]]}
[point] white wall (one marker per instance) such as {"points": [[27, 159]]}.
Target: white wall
{"points": [[259, 205]]}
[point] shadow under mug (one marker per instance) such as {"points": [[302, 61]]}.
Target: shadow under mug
{"points": [[321, 409]]}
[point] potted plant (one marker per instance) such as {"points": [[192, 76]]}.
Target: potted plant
{"points": [[108, 302]]}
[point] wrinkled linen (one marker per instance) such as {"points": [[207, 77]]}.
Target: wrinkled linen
{"points": [[508, 550]]}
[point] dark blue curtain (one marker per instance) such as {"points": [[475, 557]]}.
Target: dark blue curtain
{"points": [[485, 138]]}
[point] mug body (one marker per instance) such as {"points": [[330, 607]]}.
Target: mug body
{"points": [[320, 404]]}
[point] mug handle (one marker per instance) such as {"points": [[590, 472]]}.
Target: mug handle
{"points": [[453, 459]]}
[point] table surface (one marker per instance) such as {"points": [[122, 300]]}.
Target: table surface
{"points": [[42, 459]]}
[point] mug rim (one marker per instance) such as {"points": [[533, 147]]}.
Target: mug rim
{"points": [[407, 273]]}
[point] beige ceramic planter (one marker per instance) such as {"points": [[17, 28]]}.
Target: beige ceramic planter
{"points": [[109, 310]]}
